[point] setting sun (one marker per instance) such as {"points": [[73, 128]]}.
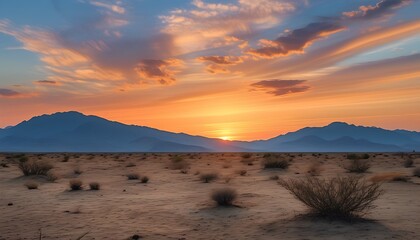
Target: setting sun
{"points": [[226, 138]]}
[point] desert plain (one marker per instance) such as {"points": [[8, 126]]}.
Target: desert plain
{"points": [[175, 203]]}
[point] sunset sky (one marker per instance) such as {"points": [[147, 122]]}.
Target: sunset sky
{"points": [[238, 69]]}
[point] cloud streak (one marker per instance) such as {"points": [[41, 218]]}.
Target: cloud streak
{"points": [[278, 87]]}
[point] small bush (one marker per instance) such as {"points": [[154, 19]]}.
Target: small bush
{"points": [[66, 158], [208, 177], [75, 184], [274, 177], [315, 169], [408, 163], [144, 179], [246, 155], [357, 166], [353, 156], [130, 164], [416, 172], [77, 170], [242, 172], [31, 185], [178, 163], [339, 197], [388, 177], [224, 196], [51, 176], [133, 176], [34, 167], [275, 161], [94, 186]]}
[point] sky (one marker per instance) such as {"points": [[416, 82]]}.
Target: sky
{"points": [[237, 69]]}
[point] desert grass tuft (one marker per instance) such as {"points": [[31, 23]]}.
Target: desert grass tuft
{"points": [[133, 176], [144, 179], [178, 163], [389, 177], [275, 161], [208, 177], [408, 163], [416, 172], [336, 198], [224, 196], [357, 166], [75, 184], [94, 186]]}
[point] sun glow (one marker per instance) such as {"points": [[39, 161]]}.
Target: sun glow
{"points": [[226, 138]]}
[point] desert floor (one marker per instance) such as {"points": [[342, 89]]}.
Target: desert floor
{"points": [[176, 205]]}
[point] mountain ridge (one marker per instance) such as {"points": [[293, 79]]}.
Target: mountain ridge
{"points": [[75, 131]]}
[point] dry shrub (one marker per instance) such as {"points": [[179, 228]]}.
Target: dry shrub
{"points": [[408, 162], [246, 155], [242, 172], [208, 177], [34, 167], [339, 197], [388, 177], [416, 172], [353, 156], [315, 169], [144, 179], [357, 166], [178, 163], [130, 164], [75, 184], [274, 177], [77, 170], [31, 185], [51, 176], [275, 161], [94, 186], [224, 196], [133, 176]]}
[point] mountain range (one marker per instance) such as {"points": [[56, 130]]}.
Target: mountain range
{"points": [[76, 132]]}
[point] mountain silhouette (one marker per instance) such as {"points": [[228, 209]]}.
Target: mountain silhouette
{"points": [[76, 132]]}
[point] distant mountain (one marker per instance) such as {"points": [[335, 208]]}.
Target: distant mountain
{"points": [[76, 132]]}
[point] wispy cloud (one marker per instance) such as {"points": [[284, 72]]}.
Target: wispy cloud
{"points": [[278, 87], [383, 7]]}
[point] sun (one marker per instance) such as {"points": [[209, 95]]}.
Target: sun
{"points": [[226, 138]]}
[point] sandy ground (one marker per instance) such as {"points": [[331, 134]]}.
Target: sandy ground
{"points": [[174, 205]]}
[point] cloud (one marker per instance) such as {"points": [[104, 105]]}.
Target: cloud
{"points": [[217, 64], [158, 70], [382, 8], [48, 82], [280, 87], [207, 24], [8, 93], [112, 7], [223, 60], [297, 40]]}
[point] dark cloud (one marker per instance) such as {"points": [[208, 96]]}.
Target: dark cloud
{"points": [[158, 70], [297, 40], [8, 93], [382, 8], [223, 60], [46, 82], [280, 87]]}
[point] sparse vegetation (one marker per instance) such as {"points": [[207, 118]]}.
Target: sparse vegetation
{"points": [[75, 184], [275, 161], [77, 170], [314, 169], [246, 155], [357, 166], [208, 177], [389, 177], [51, 176], [416, 172], [178, 163], [224, 196], [31, 185], [408, 162], [144, 179], [133, 176], [353, 156], [242, 172], [34, 167], [274, 177], [339, 197], [94, 186]]}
